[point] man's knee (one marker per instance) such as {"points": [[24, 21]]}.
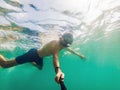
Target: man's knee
{"points": [[10, 63], [4, 64]]}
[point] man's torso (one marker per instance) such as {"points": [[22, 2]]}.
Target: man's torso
{"points": [[50, 48]]}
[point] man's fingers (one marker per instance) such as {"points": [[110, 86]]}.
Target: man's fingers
{"points": [[57, 78], [62, 77]]}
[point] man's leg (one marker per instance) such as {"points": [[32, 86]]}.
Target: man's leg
{"points": [[6, 64]]}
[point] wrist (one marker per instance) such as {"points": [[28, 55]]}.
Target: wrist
{"points": [[57, 69]]}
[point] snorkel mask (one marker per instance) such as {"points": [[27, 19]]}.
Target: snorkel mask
{"points": [[67, 39]]}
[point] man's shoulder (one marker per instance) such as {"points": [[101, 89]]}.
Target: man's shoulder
{"points": [[54, 41]]}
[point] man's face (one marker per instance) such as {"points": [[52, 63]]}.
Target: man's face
{"points": [[65, 42]]}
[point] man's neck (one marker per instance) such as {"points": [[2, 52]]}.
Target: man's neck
{"points": [[61, 46]]}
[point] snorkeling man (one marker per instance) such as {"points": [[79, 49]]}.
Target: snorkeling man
{"points": [[36, 55]]}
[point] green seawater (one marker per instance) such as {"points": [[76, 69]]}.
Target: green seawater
{"points": [[96, 28], [100, 71]]}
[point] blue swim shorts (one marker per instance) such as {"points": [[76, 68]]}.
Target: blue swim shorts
{"points": [[30, 56]]}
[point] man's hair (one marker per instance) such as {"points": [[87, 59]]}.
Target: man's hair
{"points": [[68, 37]]}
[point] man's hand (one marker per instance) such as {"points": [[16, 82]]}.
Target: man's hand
{"points": [[59, 75], [82, 57]]}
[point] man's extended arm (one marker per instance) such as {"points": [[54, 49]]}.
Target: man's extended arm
{"points": [[59, 73], [78, 54]]}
